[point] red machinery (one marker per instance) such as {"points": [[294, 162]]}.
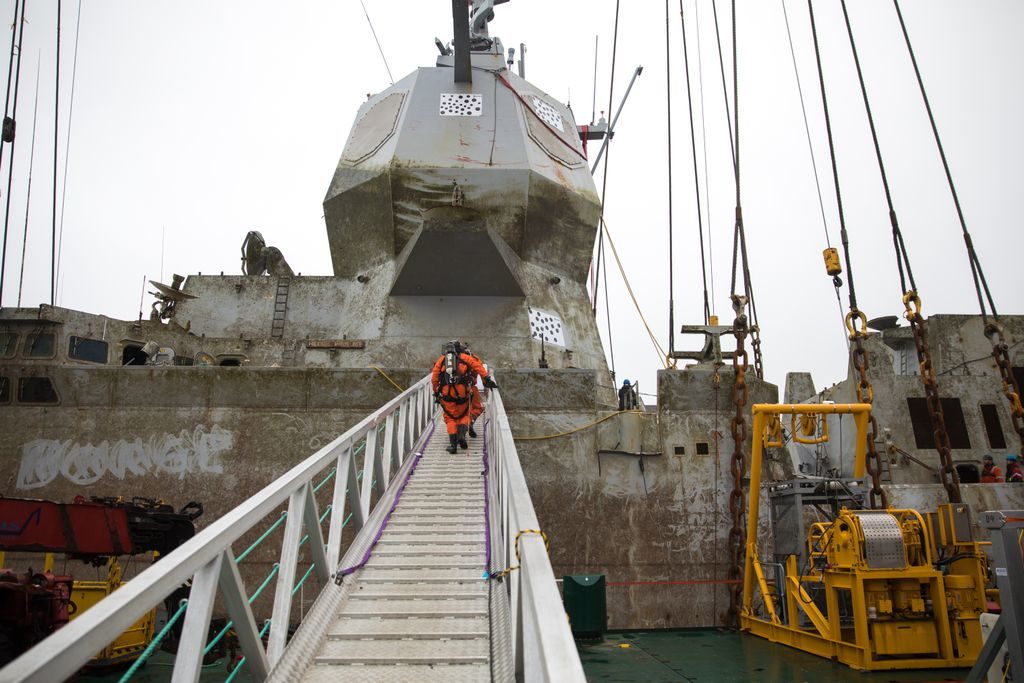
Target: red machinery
{"points": [[34, 604]]}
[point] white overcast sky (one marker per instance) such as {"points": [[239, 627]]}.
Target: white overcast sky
{"points": [[195, 122]]}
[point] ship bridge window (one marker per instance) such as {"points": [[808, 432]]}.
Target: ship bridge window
{"points": [[90, 350], [36, 390], [993, 427], [953, 415], [132, 354], [968, 473], [8, 343], [40, 345], [5, 390]]}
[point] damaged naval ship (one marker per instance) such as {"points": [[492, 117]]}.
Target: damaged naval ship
{"points": [[233, 379]]}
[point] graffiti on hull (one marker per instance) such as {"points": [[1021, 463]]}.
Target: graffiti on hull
{"points": [[43, 461]]}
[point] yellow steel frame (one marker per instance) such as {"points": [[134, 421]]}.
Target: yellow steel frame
{"points": [[827, 637]]}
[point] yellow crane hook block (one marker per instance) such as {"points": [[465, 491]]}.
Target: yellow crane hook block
{"points": [[832, 265]]}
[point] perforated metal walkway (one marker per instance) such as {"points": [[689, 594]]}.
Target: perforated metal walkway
{"points": [[419, 609]]}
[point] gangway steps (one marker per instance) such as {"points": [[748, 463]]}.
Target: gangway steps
{"points": [[419, 609]]}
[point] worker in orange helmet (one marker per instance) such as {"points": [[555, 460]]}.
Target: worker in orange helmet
{"points": [[450, 380], [476, 406]]}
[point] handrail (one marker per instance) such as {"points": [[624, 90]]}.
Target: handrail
{"points": [[208, 560], [543, 646]]}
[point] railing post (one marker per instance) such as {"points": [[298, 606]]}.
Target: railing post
{"points": [[188, 664], [341, 469], [237, 604], [393, 457], [286, 575], [311, 516], [369, 455]]}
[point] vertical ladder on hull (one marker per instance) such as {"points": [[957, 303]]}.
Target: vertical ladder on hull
{"points": [[419, 609], [280, 307]]}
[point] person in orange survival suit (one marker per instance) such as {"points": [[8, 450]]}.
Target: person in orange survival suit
{"points": [[450, 381], [476, 406]]}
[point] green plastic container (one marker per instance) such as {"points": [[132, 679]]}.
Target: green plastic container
{"points": [[584, 598]]}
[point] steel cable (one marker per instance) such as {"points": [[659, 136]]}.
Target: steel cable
{"points": [[696, 178]]}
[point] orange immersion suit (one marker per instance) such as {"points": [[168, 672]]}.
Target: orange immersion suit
{"points": [[476, 406], [456, 396]]}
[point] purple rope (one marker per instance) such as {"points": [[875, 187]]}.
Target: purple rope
{"points": [[487, 513], [387, 517]]}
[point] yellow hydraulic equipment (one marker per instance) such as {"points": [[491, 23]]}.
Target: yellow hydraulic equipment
{"points": [[881, 589], [130, 644]]}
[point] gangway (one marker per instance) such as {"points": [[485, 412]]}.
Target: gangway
{"points": [[447, 577]]}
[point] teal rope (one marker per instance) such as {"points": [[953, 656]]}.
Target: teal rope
{"points": [[330, 475], [227, 627], [303, 579], [238, 668], [137, 664], [263, 537]]}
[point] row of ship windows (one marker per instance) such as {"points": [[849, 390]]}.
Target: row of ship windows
{"points": [[31, 390], [44, 345]]}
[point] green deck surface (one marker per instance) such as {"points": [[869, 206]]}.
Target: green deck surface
{"points": [[709, 655]]}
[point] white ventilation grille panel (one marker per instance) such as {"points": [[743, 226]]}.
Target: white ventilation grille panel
{"points": [[461, 104]]}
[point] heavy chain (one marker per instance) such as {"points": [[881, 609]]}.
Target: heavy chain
{"points": [[1001, 353], [947, 473], [740, 365], [866, 394], [755, 343]]}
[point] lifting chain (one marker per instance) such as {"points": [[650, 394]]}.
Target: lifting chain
{"points": [[1001, 353], [755, 344], [947, 473], [866, 394], [740, 365]]}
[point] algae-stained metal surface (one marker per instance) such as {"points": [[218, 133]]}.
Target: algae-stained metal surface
{"points": [[722, 656]]}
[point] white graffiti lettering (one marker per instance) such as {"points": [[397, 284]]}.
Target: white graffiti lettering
{"points": [[44, 460]]}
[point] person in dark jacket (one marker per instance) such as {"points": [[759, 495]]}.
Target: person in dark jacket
{"points": [[627, 396]]}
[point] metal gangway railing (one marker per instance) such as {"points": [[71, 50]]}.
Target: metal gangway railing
{"points": [[530, 637]]}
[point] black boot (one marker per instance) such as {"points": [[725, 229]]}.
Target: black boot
{"points": [[452, 447], [472, 432], [462, 438]]}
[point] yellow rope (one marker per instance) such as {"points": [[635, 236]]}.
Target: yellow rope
{"points": [[505, 572], [615, 253], [577, 429], [385, 376]]}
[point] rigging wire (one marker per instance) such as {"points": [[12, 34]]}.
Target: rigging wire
{"points": [[604, 180], [814, 164], [739, 247], [28, 194], [807, 127], [604, 191], [902, 259], [704, 144], [976, 271], [379, 48], [56, 131], [725, 89], [696, 179], [668, 96], [67, 148], [10, 67], [835, 170], [622, 271], [10, 165]]}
